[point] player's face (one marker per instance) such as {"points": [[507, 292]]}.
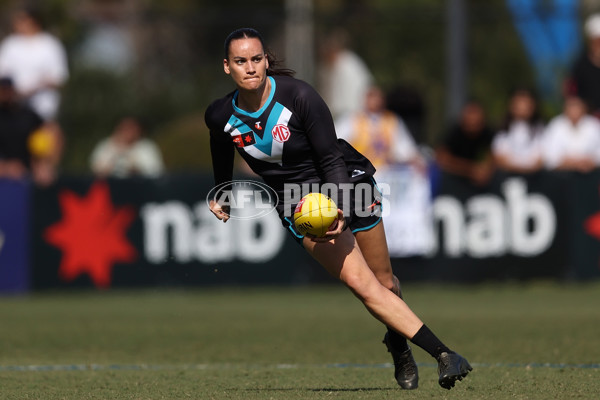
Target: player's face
{"points": [[247, 63]]}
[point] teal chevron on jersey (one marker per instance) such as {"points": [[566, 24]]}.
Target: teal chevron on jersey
{"points": [[258, 113], [235, 124], [275, 116], [265, 144], [264, 149]]}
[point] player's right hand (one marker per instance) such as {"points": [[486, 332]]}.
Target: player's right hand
{"points": [[221, 212], [335, 230]]}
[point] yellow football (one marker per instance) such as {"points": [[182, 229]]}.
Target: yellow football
{"points": [[314, 214]]}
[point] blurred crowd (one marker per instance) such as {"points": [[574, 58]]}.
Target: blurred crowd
{"points": [[471, 147], [33, 70], [386, 125]]}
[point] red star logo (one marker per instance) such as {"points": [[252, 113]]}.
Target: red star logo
{"points": [[592, 225], [248, 139], [91, 235]]}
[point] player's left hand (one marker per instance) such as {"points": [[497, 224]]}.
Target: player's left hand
{"points": [[334, 231], [221, 212]]}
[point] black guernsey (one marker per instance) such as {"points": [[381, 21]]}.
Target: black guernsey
{"points": [[291, 139]]}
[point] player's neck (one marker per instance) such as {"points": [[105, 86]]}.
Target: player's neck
{"points": [[253, 100]]}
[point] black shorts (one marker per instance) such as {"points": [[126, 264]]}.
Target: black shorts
{"points": [[365, 210]]}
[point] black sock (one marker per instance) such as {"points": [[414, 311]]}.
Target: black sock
{"points": [[397, 341], [426, 340]]}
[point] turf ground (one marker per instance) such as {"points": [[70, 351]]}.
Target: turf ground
{"points": [[530, 341]]}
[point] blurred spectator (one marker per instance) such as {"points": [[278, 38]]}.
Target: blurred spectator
{"points": [[572, 139], [36, 61], [344, 78], [382, 136], [17, 123], [379, 134], [27, 144], [466, 148], [127, 153], [584, 80], [517, 147]]}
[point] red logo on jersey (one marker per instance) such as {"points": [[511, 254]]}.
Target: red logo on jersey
{"points": [[245, 139], [248, 138], [281, 133], [257, 126]]}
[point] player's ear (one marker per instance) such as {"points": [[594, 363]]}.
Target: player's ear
{"points": [[226, 66], [267, 59]]}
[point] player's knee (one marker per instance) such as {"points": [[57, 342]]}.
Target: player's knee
{"points": [[354, 281], [386, 280], [390, 282], [396, 288], [362, 286]]}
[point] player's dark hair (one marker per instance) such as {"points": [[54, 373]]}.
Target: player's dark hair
{"points": [[251, 33]]}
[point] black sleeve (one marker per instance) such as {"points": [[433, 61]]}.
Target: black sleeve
{"points": [[221, 150], [320, 130]]}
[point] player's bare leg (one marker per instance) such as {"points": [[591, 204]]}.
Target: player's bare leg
{"points": [[374, 248], [343, 259]]}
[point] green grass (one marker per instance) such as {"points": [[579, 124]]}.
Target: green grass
{"points": [[294, 343]]}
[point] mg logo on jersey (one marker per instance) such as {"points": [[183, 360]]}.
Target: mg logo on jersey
{"points": [[281, 133]]}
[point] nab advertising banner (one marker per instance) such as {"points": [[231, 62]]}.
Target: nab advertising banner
{"points": [[584, 224], [14, 236], [139, 232], [514, 228]]}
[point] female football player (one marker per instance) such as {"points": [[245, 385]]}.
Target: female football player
{"points": [[268, 101]]}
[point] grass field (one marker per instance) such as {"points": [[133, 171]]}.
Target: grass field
{"points": [[531, 341]]}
